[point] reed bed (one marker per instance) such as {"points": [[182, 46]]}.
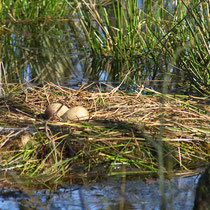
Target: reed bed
{"points": [[154, 37], [123, 130]]}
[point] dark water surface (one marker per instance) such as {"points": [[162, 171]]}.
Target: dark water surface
{"points": [[111, 194]]}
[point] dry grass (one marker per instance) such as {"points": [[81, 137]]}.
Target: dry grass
{"points": [[123, 129]]}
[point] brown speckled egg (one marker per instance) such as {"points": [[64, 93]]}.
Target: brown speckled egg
{"points": [[76, 113], [52, 108]]}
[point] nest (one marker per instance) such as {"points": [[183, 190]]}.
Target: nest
{"points": [[123, 129]]}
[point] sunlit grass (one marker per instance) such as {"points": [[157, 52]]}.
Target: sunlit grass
{"points": [[171, 36]]}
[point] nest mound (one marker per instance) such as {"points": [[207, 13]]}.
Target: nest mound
{"points": [[122, 129]]}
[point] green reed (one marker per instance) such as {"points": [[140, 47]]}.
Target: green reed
{"points": [[166, 35], [147, 41], [28, 10]]}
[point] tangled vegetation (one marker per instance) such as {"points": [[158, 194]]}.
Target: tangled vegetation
{"points": [[123, 130], [144, 130]]}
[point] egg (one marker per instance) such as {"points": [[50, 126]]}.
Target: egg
{"points": [[76, 113], [52, 108]]}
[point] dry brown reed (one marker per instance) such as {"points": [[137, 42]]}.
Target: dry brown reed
{"points": [[123, 129]]}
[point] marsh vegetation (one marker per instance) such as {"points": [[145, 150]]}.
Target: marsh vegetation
{"points": [[152, 48]]}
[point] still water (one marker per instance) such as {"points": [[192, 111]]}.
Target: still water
{"points": [[110, 194], [54, 52]]}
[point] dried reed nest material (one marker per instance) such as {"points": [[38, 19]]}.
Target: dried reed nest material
{"points": [[25, 107], [56, 109], [76, 113], [122, 127]]}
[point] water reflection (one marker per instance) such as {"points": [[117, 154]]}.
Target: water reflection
{"points": [[57, 52], [49, 49], [111, 194]]}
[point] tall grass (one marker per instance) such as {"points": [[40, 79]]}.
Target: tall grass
{"points": [[147, 40], [168, 36], [28, 10]]}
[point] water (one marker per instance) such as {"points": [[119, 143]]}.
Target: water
{"points": [[39, 53], [110, 194]]}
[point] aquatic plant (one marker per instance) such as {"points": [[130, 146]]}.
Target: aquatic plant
{"points": [[170, 37], [25, 11]]}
